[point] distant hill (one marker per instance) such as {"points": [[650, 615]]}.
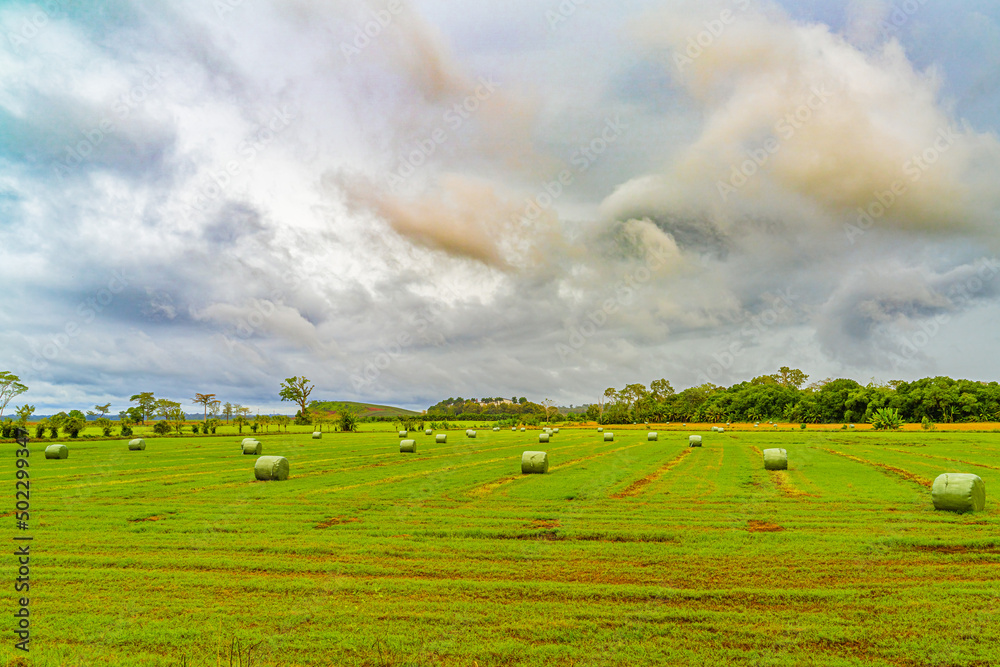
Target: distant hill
{"points": [[332, 408]]}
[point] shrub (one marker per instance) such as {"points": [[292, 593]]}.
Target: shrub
{"points": [[73, 427], [53, 431], [347, 421], [161, 427], [802, 426], [927, 424], [126, 431], [40, 430], [886, 419], [7, 429], [194, 429]]}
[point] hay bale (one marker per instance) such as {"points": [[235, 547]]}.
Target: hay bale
{"points": [[694, 441], [317, 435], [271, 468], [652, 436], [543, 437], [246, 440], [403, 434], [429, 431], [253, 448], [721, 430], [469, 433], [555, 430], [600, 429], [136, 445], [441, 438], [534, 463], [57, 452], [609, 436], [775, 459], [496, 428], [522, 429], [513, 428], [408, 446], [956, 492], [715, 429]]}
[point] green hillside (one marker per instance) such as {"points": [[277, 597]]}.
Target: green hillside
{"points": [[333, 408]]}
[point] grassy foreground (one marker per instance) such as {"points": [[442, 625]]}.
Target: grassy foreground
{"points": [[627, 553]]}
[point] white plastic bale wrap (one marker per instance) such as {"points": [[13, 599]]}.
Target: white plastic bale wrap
{"points": [[522, 429], [271, 468], [441, 437], [536, 463], [722, 430], [652, 436], [957, 492], [57, 452], [469, 433], [246, 440], [429, 431], [408, 446], [543, 437], [317, 435], [137, 444], [600, 429], [775, 459], [253, 448], [694, 441], [403, 434], [555, 430], [609, 436]]}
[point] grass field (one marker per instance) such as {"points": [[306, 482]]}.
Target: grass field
{"points": [[626, 553]]}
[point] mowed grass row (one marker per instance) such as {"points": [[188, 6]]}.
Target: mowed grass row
{"points": [[627, 552]]}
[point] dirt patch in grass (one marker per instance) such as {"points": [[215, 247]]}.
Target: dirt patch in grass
{"points": [[336, 521], [636, 487], [490, 487], [756, 526], [780, 479], [909, 476]]}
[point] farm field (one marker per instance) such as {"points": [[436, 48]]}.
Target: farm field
{"points": [[626, 553]]}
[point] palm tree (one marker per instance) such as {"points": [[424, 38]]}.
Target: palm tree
{"points": [[205, 399]]}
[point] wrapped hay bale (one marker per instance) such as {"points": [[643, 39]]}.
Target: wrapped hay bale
{"points": [[721, 430], [246, 440], [513, 428], [522, 429], [136, 445], [775, 459], [252, 448], [543, 437], [956, 492], [403, 434], [496, 428], [600, 429], [469, 433], [534, 463], [429, 431], [408, 447], [268, 468], [714, 429], [57, 452], [652, 435], [441, 437], [555, 430], [609, 436], [317, 435], [694, 441]]}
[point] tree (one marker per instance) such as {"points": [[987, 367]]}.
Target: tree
{"points": [[10, 386], [240, 420], [146, 403], [660, 389], [347, 420], [297, 389], [282, 421], [105, 425], [23, 413], [206, 400], [228, 410], [790, 377], [99, 410], [549, 406]]}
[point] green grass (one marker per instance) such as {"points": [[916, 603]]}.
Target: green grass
{"points": [[627, 553]]}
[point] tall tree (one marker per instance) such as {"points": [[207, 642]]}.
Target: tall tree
{"points": [[205, 399], [146, 403], [101, 410], [228, 410], [23, 413], [10, 386], [790, 377], [297, 389]]}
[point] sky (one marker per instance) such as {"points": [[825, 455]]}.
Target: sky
{"points": [[408, 200]]}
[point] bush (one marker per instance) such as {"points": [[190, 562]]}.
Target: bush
{"points": [[194, 429], [161, 427], [53, 431], [927, 424], [126, 431], [7, 429], [886, 419], [40, 430], [73, 427], [348, 421], [802, 426]]}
